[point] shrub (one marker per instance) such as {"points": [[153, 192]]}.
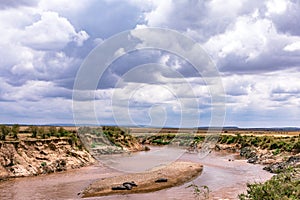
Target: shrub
{"points": [[4, 132], [34, 131], [53, 131], [276, 152], [93, 145], [62, 132], [199, 191], [160, 142], [230, 139], [273, 146], [296, 146], [281, 186], [15, 131]]}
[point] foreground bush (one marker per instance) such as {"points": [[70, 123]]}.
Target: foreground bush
{"points": [[282, 186]]}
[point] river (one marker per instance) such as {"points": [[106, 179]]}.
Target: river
{"points": [[224, 178]]}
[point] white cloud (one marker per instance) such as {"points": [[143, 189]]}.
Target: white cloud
{"points": [[292, 47], [119, 52], [51, 32], [159, 15], [276, 6], [254, 91], [32, 91], [247, 38], [230, 8]]}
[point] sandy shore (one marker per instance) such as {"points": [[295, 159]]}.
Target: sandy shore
{"points": [[176, 174]]}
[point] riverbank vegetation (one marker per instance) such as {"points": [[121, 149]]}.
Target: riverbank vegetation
{"points": [[285, 185], [278, 144]]}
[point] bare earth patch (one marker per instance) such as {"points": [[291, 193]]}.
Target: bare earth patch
{"points": [[176, 174]]}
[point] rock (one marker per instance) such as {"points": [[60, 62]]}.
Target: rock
{"points": [[60, 165], [293, 159], [252, 160], [267, 161], [52, 146], [278, 167], [146, 148], [275, 168], [19, 170], [161, 180], [247, 152], [217, 147], [43, 153], [3, 173]]}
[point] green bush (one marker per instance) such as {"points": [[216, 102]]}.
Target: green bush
{"points": [[276, 152], [34, 131], [93, 145], [15, 131], [281, 186], [230, 139], [63, 132], [160, 142], [4, 131], [53, 131]]}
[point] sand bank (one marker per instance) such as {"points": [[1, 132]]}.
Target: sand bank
{"points": [[176, 174]]}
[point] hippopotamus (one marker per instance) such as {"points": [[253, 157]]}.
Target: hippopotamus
{"points": [[161, 180], [125, 186]]}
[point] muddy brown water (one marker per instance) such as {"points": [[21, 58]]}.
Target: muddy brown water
{"points": [[225, 179]]}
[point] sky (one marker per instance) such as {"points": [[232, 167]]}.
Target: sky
{"points": [[254, 44]]}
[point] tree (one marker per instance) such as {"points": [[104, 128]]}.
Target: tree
{"points": [[41, 132], [15, 131], [62, 132], [52, 131], [4, 132], [34, 131]]}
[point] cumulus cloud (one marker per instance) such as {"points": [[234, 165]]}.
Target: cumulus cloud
{"points": [[276, 6], [239, 35], [51, 32], [255, 45]]}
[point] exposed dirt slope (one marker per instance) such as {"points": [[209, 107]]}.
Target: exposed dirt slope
{"points": [[40, 156]]}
